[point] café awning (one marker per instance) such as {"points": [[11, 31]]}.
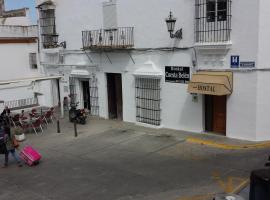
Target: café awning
{"points": [[211, 83]]}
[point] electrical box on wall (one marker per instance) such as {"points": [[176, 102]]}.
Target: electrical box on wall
{"points": [[194, 97]]}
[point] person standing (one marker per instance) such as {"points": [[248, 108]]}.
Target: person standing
{"points": [[8, 139]]}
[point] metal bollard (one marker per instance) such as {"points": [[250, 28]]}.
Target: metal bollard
{"points": [[58, 127], [75, 129]]}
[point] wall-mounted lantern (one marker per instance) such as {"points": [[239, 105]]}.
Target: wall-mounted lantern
{"points": [[170, 21]]}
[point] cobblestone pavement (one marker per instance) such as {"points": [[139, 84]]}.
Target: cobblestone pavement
{"points": [[111, 160]]}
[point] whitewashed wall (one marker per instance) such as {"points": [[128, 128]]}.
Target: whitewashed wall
{"points": [[249, 37]]}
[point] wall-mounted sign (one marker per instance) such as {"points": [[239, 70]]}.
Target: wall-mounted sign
{"points": [[235, 60], [175, 74], [247, 64]]}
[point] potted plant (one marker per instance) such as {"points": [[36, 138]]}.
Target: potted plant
{"points": [[19, 135]]}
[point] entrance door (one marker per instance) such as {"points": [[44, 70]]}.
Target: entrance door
{"points": [[86, 94], [215, 114], [115, 102], [219, 114]]}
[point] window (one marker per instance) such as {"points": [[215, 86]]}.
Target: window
{"points": [[216, 10], [33, 60], [148, 100], [72, 89], [213, 20], [211, 10], [49, 36], [221, 10], [94, 111]]}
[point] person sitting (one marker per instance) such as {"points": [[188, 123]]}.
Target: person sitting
{"points": [[6, 111]]}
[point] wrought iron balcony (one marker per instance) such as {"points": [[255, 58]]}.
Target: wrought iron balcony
{"points": [[120, 38], [49, 41]]}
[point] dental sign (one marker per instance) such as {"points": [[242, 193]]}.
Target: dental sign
{"points": [[176, 74]]}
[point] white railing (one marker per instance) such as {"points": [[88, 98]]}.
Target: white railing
{"points": [[21, 103]]}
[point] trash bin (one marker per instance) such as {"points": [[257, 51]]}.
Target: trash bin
{"points": [[228, 197], [260, 185]]}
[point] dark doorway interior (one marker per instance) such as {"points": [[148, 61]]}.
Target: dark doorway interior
{"points": [[86, 94], [115, 102], [215, 114]]}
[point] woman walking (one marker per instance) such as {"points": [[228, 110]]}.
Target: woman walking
{"points": [[8, 139]]}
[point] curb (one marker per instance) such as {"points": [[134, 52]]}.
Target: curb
{"points": [[215, 144], [240, 187]]}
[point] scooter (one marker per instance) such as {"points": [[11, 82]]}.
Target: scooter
{"points": [[77, 115]]}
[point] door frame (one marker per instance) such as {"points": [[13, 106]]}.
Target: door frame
{"points": [[113, 78]]}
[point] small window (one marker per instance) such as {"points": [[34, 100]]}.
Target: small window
{"points": [[211, 10], [221, 10], [33, 60], [216, 10]]}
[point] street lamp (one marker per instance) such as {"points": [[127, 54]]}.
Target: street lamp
{"points": [[170, 21]]}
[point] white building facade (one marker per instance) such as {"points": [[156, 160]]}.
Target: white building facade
{"points": [[21, 74], [18, 50], [119, 61]]}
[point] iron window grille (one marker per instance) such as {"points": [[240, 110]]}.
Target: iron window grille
{"points": [[33, 60], [94, 105], [213, 20], [72, 89], [49, 37], [148, 100]]}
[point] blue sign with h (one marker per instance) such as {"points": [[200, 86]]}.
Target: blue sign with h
{"points": [[235, 61]]}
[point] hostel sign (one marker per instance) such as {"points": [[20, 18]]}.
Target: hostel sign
{"points": [[206, 88], [175, 74]]}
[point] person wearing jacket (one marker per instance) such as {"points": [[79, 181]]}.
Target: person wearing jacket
{"points": [[8, 139]]}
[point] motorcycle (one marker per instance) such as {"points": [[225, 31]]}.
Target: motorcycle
{"points": [[77, 115]]}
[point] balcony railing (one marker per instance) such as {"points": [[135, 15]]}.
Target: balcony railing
{"points": [[120, 38], [49, 41], [22, 103]]}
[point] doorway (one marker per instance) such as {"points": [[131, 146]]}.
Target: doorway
{"points": [[115, 101], [215, 114], [86, 94]]}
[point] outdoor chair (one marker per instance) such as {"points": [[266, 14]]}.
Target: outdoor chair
{"points": [[49, 116], [16, 120], [44, 121], [25, 126], [37, 125], [52, 109]]}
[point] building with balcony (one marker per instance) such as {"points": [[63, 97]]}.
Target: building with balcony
{"points": [[209, 73]]}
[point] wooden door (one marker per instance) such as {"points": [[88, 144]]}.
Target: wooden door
{"points": [[219, 114]]}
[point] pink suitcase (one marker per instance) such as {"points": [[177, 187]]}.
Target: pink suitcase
{"points": [[30, 156]]}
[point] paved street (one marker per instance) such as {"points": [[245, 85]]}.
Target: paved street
{"points": [[112, 160]]}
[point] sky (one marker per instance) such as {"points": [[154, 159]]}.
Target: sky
{"points": [[15, 4]]}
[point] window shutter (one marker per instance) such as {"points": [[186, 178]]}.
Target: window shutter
{"points": [[109, 15]]}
